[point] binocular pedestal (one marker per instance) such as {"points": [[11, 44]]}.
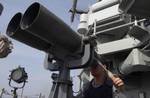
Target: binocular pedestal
{"points": [[15, 93], [62, 85]]}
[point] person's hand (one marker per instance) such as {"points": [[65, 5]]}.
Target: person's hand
{"points": [[118, 83]]}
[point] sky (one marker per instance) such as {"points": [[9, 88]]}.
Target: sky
{"points": [[39, 79]]}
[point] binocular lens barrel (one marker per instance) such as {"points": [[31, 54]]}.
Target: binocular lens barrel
{"points": [[44, 24], [14, 31]]}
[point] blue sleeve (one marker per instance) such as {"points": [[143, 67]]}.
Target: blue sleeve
{"points": [[109, 93], [86, 94], [86, 90]]}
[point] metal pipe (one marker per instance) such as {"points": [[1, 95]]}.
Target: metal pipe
{"points": [[117, 27], [109, 25], [73, 10], [42, 23], [107, 20], [103, 32], [103, 5], [14, 31]]}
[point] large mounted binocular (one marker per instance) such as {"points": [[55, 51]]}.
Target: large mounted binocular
{"points": [[41, 29]]}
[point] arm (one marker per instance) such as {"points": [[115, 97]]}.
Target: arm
{"points": [[117, 81]]}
